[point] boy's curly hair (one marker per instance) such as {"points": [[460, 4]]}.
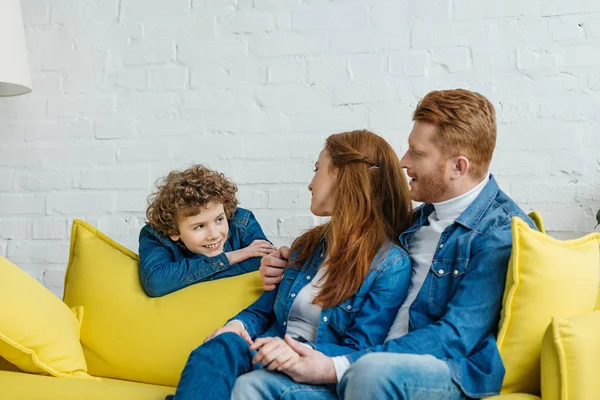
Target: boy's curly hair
{"points": [[186, 193]]}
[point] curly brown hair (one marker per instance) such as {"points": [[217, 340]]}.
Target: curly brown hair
{"points": [[186, 193]]}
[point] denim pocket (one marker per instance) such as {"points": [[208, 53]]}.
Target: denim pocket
{"points": [[445, 277], [342, 316]]}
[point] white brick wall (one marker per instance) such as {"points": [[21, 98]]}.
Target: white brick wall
{"points": [[125, 90]]}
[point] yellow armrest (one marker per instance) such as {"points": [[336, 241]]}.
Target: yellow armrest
{"points": [[571, 358]]}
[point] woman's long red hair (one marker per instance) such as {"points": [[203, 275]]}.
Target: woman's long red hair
{"points": [[371, 205]]}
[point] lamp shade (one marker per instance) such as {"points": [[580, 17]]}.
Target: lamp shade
{"points": [[15, 77]]}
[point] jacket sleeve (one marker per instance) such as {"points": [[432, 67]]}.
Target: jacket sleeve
{"points": [[161, 275], [371, 325], [259, 316], [478, 296], [252, 232]]}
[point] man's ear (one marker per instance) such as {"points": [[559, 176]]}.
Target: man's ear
{"points": [[460, 167]]}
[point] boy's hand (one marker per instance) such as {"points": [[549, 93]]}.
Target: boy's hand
{"points": [[258, 248], [273, 266], [273, 353], [232, 326]]}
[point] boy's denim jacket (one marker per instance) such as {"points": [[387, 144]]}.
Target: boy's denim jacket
{"points": [[455, 315], [357, 323], [167, 266]]}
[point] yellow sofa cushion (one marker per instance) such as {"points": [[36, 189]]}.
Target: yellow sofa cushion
{"points": [[546, 277], [571, 358], [128, 335], [38, 332], [21, 386]]}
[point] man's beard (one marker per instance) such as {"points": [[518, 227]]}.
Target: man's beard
{"points": [[432, 187]]}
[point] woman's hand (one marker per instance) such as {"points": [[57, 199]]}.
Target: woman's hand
{"points": [[258, 248], [273, 352], [235, 327], [273, 266]]}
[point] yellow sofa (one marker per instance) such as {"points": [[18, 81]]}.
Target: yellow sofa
{"points": [[138, 345]]}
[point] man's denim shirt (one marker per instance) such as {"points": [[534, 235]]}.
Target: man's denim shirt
{"points": [[361, 321], [167, 266], [455, 315]]}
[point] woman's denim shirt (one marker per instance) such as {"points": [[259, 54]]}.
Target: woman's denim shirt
{"points": [[360, 322], [167, 266]]}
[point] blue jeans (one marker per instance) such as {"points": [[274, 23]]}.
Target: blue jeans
{"points": [[212, 368], [374, 376]]}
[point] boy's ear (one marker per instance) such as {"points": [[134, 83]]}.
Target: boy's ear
{"points": [[174, 237]]}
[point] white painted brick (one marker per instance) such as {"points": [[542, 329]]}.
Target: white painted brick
{"points": [[54, 280], [291, 171], [287, 71], [430, 10], [178, 27], [329, 17], [295, 226], [246, 23], [7, 180], [115, 38], [14, 229], [247, 121], [361, 94], [475, 9], [87, 58], [38, 251], [160, 128], [332, 119], [391, 119], [147, 104], [353, 41], [292, 98], [59, 131], [328, 70], [45, 82], [23, 107], [133, 200], [592, 28], [140, 8], [308, 148], [289, 198], [34, 270], [560, 7], [13, 132], [121, 227], [412, 64], [80, 155], [114, 128], [16, 204], [501, 59], [3, 246], [35, 13], [195, 53], [145, 54], [230, 75], [288, 43], [148, 151], [251, 198], [135, 78], [538, 57], [43, 180], [535, 31], [29, 155], [581, 56], [168, 78], [50, 228], [80, 203], [83, 81], [455, 59], [565, 30], [81, 105], [130, 178], [368, 68], [392, 16], [268, 221], [447, 34]]}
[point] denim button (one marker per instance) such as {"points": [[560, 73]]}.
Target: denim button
{"points": [[293, 295], [308, 278], [441, 245], [221, 263], [441, 271], [455, 272], [349, 307], [284, 323], [325, 319]]}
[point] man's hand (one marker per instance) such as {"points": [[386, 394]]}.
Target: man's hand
{"points": [[232, 326], [273, 352], [258, 248], [273, 266], [312, 367]]}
